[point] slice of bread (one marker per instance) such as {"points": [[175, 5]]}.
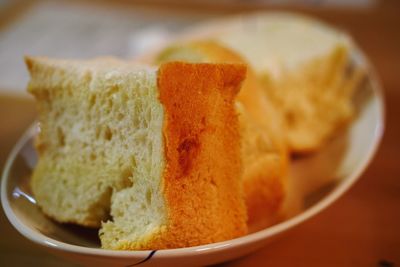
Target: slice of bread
{"points": [[157, 150], [82, 155], [264, 153], [304, 66]]}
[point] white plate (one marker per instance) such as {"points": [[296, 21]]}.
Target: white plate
{"points": [[342, 161]]}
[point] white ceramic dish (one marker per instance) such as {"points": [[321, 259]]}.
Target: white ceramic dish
{"points": [[342, 160]]}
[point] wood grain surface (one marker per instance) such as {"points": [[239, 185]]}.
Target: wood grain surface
{"points": [[360, 229]]}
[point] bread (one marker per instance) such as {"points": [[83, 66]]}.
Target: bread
{"points": [[157, 150], [304, 67], [316, 99], [264, 153]]}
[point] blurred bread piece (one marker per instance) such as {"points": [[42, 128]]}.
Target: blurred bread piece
{"points": [[316, 99], [116, 140], [305, 68], [264, 153]]}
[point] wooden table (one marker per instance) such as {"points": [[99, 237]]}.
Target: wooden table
{"points": [[361, 229]]}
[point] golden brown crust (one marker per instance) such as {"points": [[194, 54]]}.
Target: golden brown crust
{"points": [[265, 165], [202, 188], [203, 152]]}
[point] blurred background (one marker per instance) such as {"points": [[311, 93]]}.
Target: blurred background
{"points": [[361, 229]]}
